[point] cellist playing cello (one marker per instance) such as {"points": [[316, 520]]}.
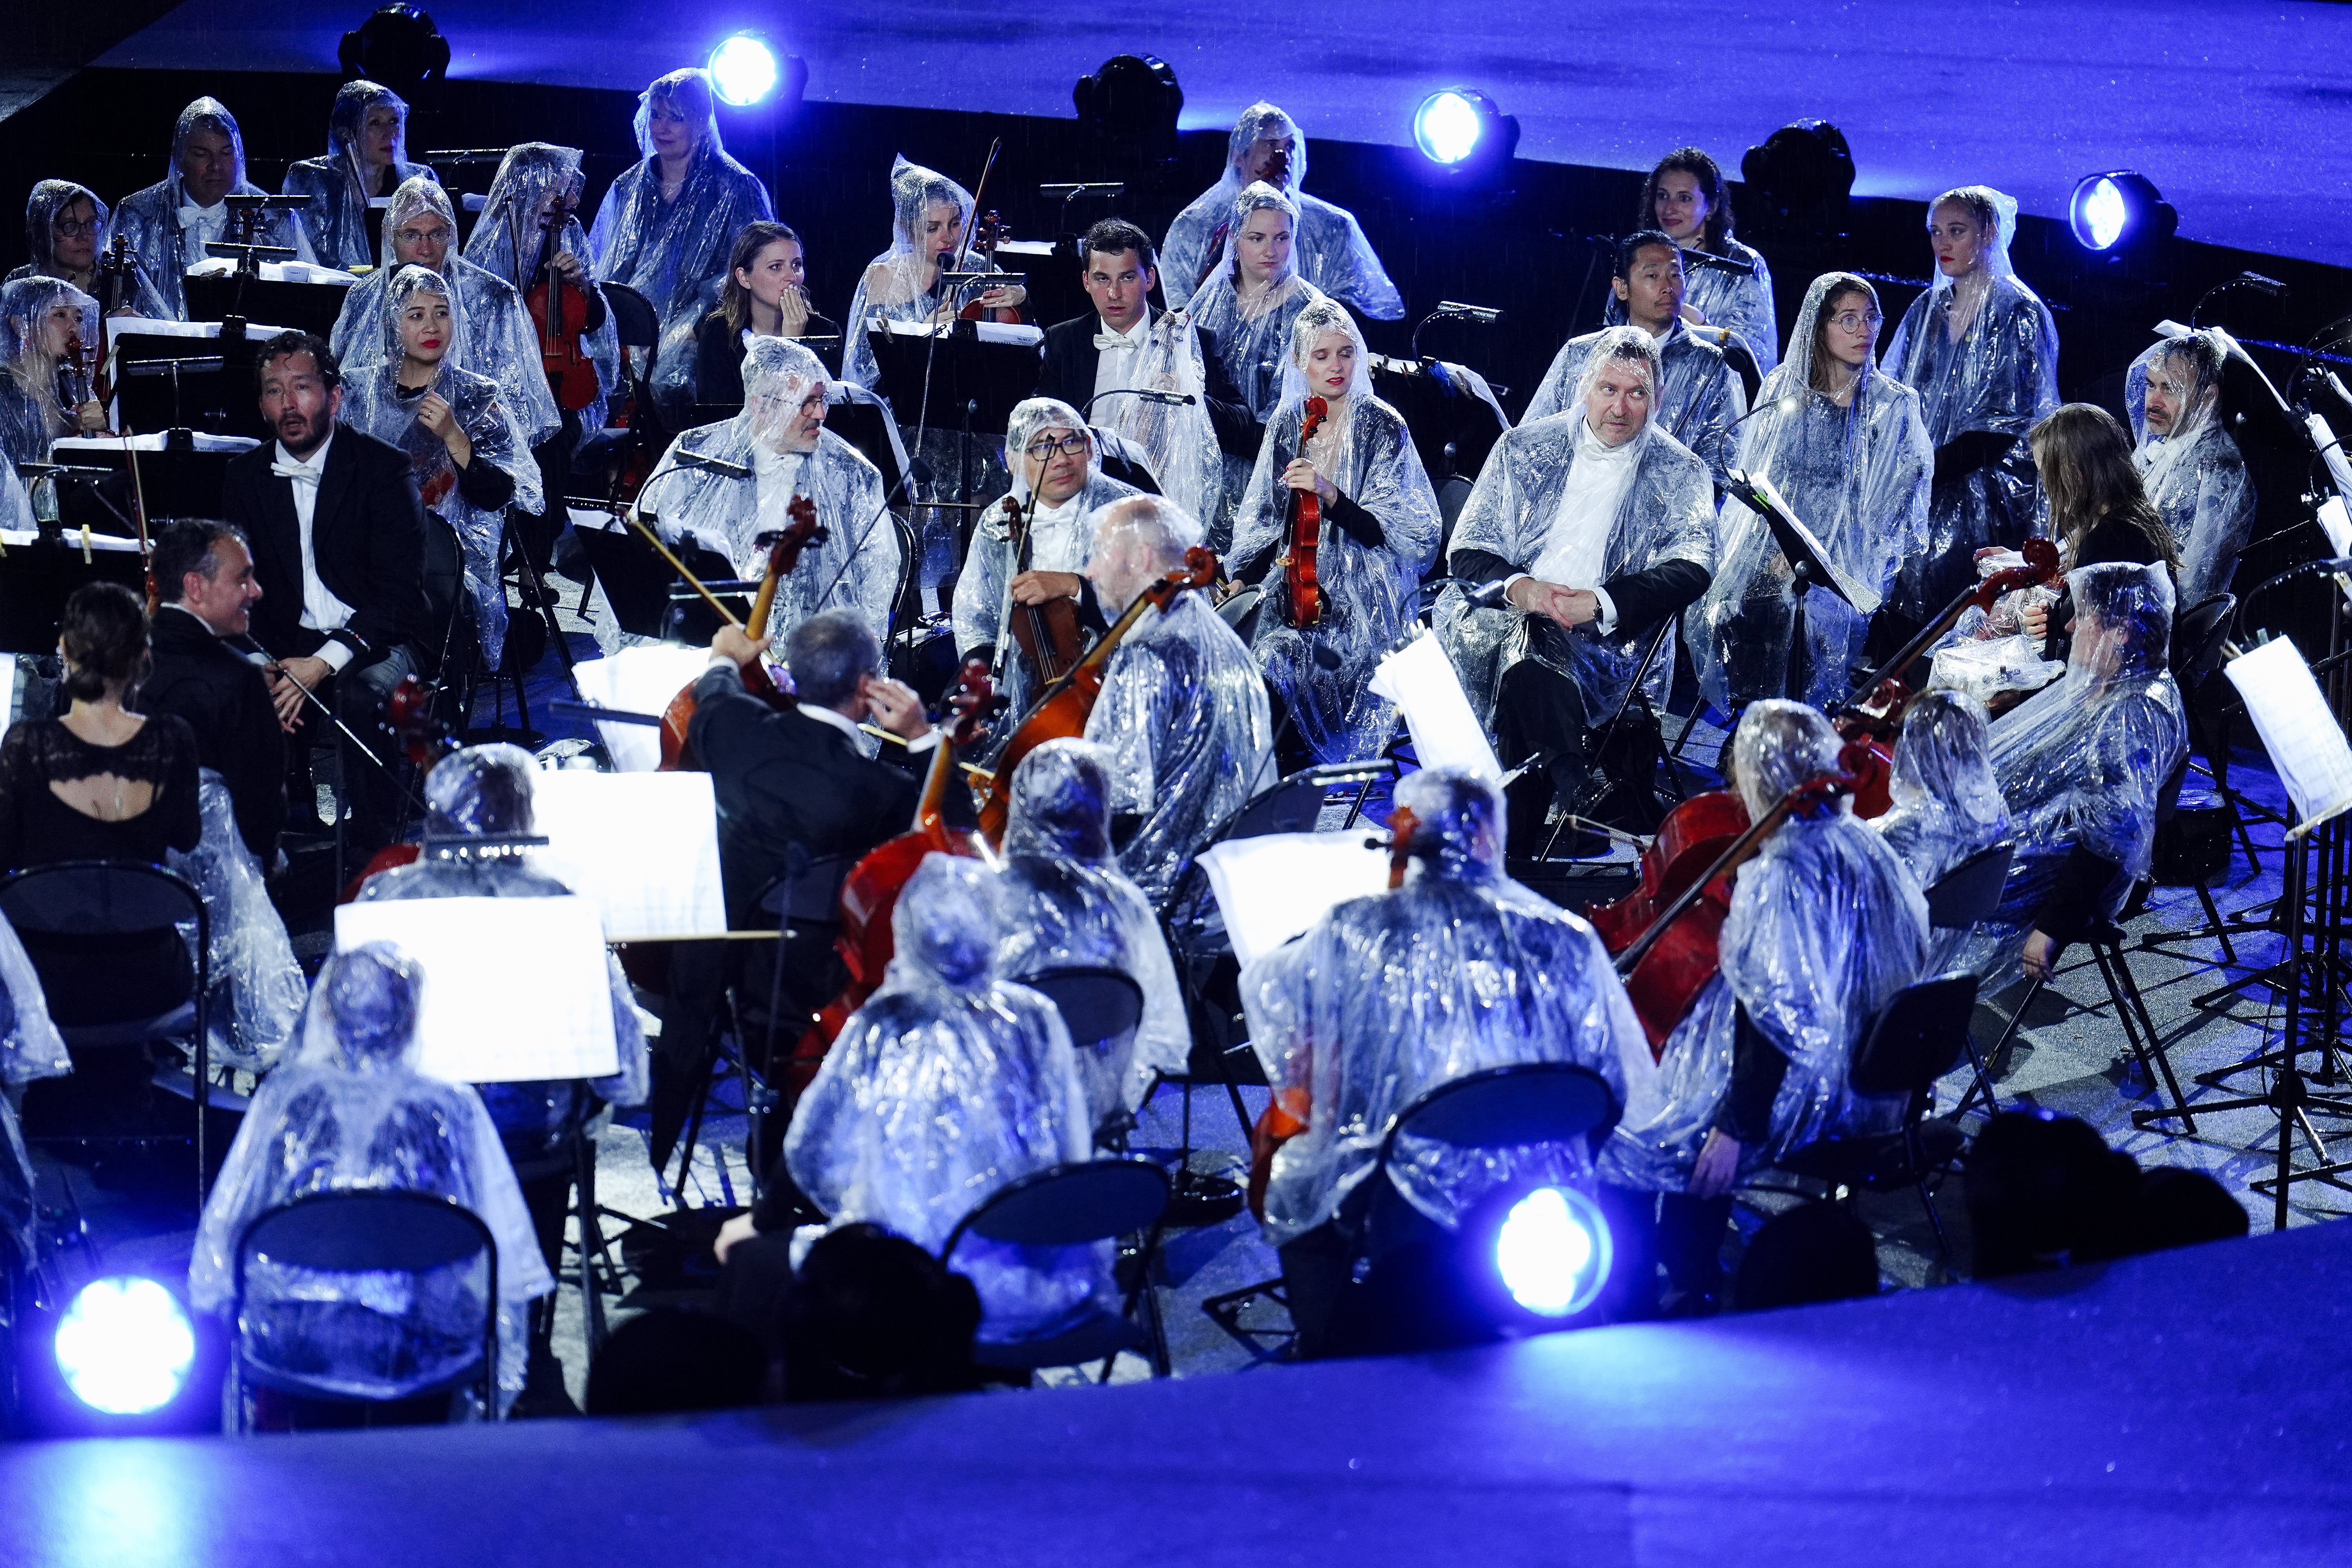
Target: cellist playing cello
{"points": [[1825, 925]]}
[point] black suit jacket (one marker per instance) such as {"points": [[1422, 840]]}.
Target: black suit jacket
{"points": [[227, 702], [367, 535], [1068, 374]]}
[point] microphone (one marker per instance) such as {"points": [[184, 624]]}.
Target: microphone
{"points": [[1168, 398], [196, 365], [720, 466], [2255, 280], [1788, 405], [1486, 596]]}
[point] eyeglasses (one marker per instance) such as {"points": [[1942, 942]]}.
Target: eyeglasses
{"points": [[1856, 320], [1070, 446], [76, 226], [437, 235]]}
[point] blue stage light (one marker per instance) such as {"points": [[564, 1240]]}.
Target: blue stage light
{"points": [[1553, 1252], [124, 1346], [2119, 211], [743, 69], [1448, 126]]}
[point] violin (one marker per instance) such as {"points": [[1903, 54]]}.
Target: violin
{"points": [[561, 315], [987, 234], [426, 740], [1061, 709], [1667, 964], [1872, 712], [783, 555], [74, 388], [869, 894], [1304, 594], [1047, 634]]}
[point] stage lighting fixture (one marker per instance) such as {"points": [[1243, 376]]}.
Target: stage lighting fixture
{"points": [[1127, 114], [125, 1346], [2119, 211], [398, 46], [743, 70], [1462, 131], [1553, 1251], [1800, 180]]}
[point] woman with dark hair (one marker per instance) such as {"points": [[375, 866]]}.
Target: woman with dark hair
{"points": [[2099, 509], [766, 296], [1686, 195]]}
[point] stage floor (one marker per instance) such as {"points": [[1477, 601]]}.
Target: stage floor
{"points": [[2236, 109]]}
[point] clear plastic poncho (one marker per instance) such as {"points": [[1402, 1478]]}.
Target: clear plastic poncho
{"points": [[1184, 720], [506, 244], [2196, 476], [2083, 760], [948, 1084], [1331, 251], [49, 199], [1948, 805], [1739, 302], [30, 1047], [334, 184], [1252, 336], [31, 416], [1387, 997], [1064, 541], [1177, 441], [1066, 904], [1826, 925], [345, 1112], [495, 339], [674, 252], [161, 227], [1667, 514], [732, 515], [2001, 377], [257, 986], [485, 792], [372, 403], [1701, 399], [1371, 593], [1857, 476]]}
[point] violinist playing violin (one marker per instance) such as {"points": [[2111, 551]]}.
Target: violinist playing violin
{"points": [[1340, 526], [1029, 553], [1825, 926], [42, 323]]}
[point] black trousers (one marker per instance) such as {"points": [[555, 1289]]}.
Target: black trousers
{"points": [[358, 694], [1650, 1230], [537, 534], [1610, 777], [1318, 1267]]}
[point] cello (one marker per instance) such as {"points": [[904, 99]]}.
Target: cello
{"points": [[1303, 591], [783, 555], [561, 316], [1061, 709], [1046, 633]]}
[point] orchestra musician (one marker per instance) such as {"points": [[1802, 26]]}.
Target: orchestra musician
{"points": [[1386, 997], [366, 158], [40, 319], [1183, 715], [2189, 461], [766, 296], [1947, 803], [168, 224], [1099, 362], [1061, 492], [1687, 197], [1266, 147], [65, 230], [205, 585], [1699, 398], [1378, 536], [1825, 926], [1603, 526]]}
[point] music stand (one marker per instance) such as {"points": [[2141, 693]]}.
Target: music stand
{"points": [[974, 373], [1808, 568], [866, 427], [174, 381], [307, 307], [181, 475], [638, 584], [37, 576]]}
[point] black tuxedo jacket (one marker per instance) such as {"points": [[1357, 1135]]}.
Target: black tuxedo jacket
{"points": [[227, 702], [1068, 374], [367, 536]]}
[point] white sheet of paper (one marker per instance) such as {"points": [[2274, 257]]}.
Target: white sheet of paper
{"points": [[1423, 681], [516, 990], [1275, 887], [639, 680], [2304, 743], [644, 845]]}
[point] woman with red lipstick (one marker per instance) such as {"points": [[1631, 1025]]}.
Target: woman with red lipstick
{"points": [[1378, 534], [1982, 352], [469, 462]]}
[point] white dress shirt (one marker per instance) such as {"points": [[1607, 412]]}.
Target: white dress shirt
{"points": [[1055, 541], [1119, 357], [1576, 546], [200, 226], [321, 611]]}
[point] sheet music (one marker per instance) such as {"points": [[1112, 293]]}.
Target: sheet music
{"points": [[1275, 887], [2306, 744], [1420, 681], [639, 680], [1865, 599], [155, 441], [276, 272], [516, 990], [987, 331], [643, 846]]}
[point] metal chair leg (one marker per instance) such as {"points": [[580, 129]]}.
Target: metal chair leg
{"points": [[2139, 1032], [1989, 1066], [1935, 1220]]}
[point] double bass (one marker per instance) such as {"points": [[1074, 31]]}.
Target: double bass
{"points": [[1060, 712], [561, 313], [1303, 593], [783, 555]]}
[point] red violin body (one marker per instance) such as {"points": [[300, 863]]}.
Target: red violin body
{"points": [[1303, 588]]}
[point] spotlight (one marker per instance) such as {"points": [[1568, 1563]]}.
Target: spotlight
{"points": [[124, 1346], [743, 70], [1800, 180], [1127, 114], [2118, 212], [399, 47], [1462, 131], [1552, 1252]]}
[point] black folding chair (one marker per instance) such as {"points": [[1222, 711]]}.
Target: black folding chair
{"points": [[1075, 1206], [91, 904], [1101, 1008], [1962, 897], [356, 1233], [1916, 1038]]}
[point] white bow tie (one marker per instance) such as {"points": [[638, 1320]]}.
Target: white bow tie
{"points": [[191, 217], [301, 473]]}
